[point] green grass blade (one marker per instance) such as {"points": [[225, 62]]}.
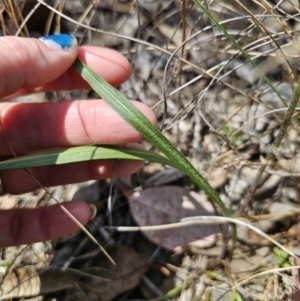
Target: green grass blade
{"points": [[139, 121], [80, 154], [244, 53]]}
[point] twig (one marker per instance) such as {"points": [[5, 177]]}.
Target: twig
{"points": [[204, 220]]}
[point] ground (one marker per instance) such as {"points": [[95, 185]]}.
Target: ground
{"points": [[223, 113]]}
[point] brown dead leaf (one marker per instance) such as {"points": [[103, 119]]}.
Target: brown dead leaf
{"points": [[217, 177], [174, 35], [8, 202], [101, 281], [169, 204], [22, 282]]}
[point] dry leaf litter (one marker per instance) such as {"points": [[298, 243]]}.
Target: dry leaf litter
{"points": [[222, 115]]}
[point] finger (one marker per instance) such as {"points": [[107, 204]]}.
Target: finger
{"points": [[108, 63], [28, 63], [35, 126], [19, 181], [25, 226]]}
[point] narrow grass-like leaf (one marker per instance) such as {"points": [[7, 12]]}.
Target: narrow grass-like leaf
{"points": [[80, 154], [243, 52], [140, 122]]}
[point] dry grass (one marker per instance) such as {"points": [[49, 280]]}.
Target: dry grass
{"points": [[217, 110]]}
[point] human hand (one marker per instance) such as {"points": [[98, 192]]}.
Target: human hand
{"points": [[27, 66]]}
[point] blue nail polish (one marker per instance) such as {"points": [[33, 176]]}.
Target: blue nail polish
{"points": [[60, 42]]}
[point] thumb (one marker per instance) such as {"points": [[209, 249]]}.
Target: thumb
{"points": [[27, 63]]}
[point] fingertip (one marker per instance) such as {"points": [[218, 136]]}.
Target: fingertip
{"points": [[147, 111], [27, 63], [25, 226], [113, 65], [67, 220], [80, 210]]}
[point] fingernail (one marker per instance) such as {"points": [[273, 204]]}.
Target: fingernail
{"points": [[64, 42], [93, 211]]}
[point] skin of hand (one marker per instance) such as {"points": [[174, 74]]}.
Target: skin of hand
{"points": [[26, 66]]}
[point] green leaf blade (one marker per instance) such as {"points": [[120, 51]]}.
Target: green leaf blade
{"points": [[141, 123], [81, 154]]}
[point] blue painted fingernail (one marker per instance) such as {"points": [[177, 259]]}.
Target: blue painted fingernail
{"points": [[64, 42]]}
